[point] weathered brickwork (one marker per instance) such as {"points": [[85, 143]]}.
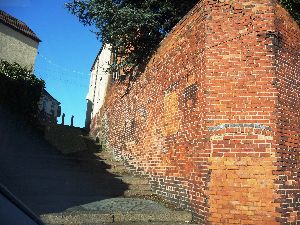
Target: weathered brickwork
{"points": [[287, 49], [242, 190], [214, 119]]}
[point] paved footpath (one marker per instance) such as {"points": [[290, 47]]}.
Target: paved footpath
{"points": [[47, 181], [65, 189]]}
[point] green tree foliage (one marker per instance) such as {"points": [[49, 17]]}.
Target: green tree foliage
{"points": [[293, 6], [20, 91], [133, 27]]}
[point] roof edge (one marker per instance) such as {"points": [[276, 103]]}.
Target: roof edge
{"points": [[99, 52], [17, 25], [20, 31]]}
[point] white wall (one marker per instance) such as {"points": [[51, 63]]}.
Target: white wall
{"points": [[49, 106], [16, 47], [99, 80]]}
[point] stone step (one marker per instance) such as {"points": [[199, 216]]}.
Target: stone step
{"points": [[120, 171], [144, 187], [105, 155], [147, 223], [119, 167], [136, 192], [65, 138], [133, 180], [79, 218], [117, 210], [112, 163], [89, 138], [133, 223]]}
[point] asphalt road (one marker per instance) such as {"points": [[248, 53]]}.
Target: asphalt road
{"points": [[44, 179]]}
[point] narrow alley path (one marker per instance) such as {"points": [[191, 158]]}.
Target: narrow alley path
{"points": [[44, 179], [77, 188]]}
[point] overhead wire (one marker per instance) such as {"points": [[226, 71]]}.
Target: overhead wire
{"points": [[49, 70]]}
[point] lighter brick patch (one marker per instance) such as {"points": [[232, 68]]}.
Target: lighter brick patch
{"points": [[171, 122], [241, 188]]}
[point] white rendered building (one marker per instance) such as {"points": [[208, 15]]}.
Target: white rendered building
{"points": [[98, 83], [49, 108]]}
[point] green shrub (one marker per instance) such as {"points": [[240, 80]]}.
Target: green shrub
{"points": [[20, 91]]}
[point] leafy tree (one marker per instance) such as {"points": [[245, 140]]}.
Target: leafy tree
{"points": [[293, 6], [133, 27], [20, 91]]}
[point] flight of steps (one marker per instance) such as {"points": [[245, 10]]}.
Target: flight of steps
{"points": [[137, 186], [144, 206], [65, 138]]}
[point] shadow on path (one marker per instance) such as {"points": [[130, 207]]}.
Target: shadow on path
{"points": [[46, 180]]}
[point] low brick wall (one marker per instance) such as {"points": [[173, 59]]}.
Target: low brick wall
{"points": [[213, 120]]}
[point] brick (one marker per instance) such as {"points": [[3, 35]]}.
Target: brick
{"points": [[219, 132]]}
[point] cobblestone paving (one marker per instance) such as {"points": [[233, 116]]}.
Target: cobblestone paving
{"points": [[122, 205]]}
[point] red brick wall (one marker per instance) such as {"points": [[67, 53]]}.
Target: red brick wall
{"points": [[287, 62], [241, 100], [204, 121]]}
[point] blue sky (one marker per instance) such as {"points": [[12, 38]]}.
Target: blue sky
{"points": [[66, 53]]}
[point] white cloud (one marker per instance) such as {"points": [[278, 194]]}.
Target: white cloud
{"points": [[15, 3]]}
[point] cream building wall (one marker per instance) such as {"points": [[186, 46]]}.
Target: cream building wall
{"points": [[99, 81], [49, 107], [17, 47]]}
